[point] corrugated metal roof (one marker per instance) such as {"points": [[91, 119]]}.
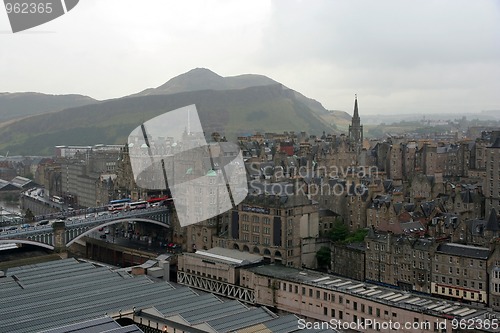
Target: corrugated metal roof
{"points": [[200, 314], [66, 291], [53, 295], [89, 326], [283, 324], [240, 320]]}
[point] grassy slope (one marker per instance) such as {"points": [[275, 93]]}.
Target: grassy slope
{"points": [[267, 108]]}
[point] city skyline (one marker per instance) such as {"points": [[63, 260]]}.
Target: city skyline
{"points": [[399, 57]]}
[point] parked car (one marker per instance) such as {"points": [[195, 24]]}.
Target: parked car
{"points": [[43, 222]]}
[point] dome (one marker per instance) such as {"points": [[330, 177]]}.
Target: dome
{"points": [[211, 173]]}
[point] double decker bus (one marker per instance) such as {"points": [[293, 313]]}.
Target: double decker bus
{"points": [[136, 205], [159, 201], [119, 204]]}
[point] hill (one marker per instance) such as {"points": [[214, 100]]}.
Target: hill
{"points": [[265, 108], [203, 79], [19, 105]]}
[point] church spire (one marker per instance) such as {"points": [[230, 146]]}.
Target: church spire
{"points": [[356, 129], [356, 114]]}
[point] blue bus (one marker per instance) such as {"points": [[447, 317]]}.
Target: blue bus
{"points": [[118, 204]]}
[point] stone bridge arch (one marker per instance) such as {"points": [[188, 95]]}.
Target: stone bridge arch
{"points": [[88, 230], [26, 241]]}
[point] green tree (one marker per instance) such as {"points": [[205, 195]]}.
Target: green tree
{"points": [[324, 257], [339, 231], [29, 217], [356, 236]]}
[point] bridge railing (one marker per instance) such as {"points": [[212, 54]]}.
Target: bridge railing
{"points": [[84, 221]]}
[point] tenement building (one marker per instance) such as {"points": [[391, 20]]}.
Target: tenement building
{"points": [[460, 273], [315, 296], [273, 226], [492, 180], [321, 297]]}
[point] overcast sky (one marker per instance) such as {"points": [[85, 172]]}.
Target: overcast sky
{"points": [[400, 56]]}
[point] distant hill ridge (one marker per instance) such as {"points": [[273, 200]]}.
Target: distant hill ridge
{"points": [[234, 106], [204, 79], [22, 104]]}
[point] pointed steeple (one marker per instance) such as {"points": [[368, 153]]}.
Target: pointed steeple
{"points": [[356, 114], [356, 129]]}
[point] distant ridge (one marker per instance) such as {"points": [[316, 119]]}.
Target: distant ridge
{"points": [[204, 79], [19, 105], [232, 106]]}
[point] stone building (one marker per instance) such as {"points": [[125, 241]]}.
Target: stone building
{"points": [[460, 272], [273, 226], [492, 180], [349, 260], [494, 273]]}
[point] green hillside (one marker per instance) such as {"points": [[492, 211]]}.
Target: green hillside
{"points": [[19, 105], [232, 112]]}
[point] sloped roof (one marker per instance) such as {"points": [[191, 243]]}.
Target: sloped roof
{"points": [[492, 224], [495, 144], [464, 250], [101, 325]]}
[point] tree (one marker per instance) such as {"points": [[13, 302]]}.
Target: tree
{"points": [[339, 231], [324, 257], [29, 217]]}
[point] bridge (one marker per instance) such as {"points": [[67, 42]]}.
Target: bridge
{"points": [[62, 234]]}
